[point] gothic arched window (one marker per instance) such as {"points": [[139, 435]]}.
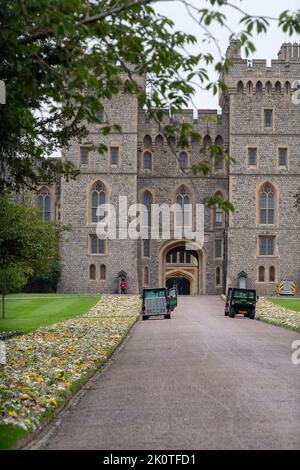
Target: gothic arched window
{"points": [[259, 87], [268, 88], [183, 208], [159, 140], [240, 87], [277, 87], [250, 88], [44, 204], [98, 198], [267, 205], [147, 142], [207, 141]]}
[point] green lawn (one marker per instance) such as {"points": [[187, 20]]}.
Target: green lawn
{"points": [[27, 314], [291, 304]]}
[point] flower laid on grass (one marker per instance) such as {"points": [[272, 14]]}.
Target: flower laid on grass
{"points": [[43, 366], [269, 312]]}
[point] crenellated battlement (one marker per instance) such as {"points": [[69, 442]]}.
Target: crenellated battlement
{"points": [[256, 76]]}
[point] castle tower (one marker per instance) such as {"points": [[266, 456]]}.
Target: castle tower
{"points": [[264, 138], [91, 265]]}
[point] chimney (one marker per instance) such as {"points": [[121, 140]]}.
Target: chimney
{"points": [[234, 50]]}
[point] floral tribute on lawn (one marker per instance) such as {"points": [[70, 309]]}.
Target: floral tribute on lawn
{"points": [[277, 315], [43, 366]]}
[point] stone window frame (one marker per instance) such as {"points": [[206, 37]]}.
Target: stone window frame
{"points": [[222, 248], [264, 110], [114, 146], [267, 238], [259, 268], [89, 192], [103, 279], [51, 194], [90, 253], [220, 284], [248, 148], [146, 284], [147, 170], [269, 274], [266, 275], [101, 112], [179, 192], [283, 147], [143, 251], [93, 279], [276, 193], [213, 212], [88, 146], [142, 194], [219, 140], [188, 161]]}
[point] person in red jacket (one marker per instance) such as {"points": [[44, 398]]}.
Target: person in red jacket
{"points": [[123, 286]]}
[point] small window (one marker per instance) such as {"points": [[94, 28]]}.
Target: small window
{"points": [[174, 257], [114, 156], [147, 210], [102, 272], [181, 257], [159, 141], [147, 161], [218, 277], [147, 142], [98, 245], [146, 276], [266, 246], [92, 272], [252, 157], [84, 155], [268, 117], [100, 116], [261, 274], [218, 215], [188, 258], [146, 248], [272, 274], [183, 161], [282, 157], [218, 248], [219, 165]]}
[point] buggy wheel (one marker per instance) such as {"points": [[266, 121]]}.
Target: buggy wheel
{"points": [[252, 315], [145, 317], [226, 313], [231, 313]]}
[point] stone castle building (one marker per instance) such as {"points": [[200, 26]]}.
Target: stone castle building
{"points": [[256, 246]]}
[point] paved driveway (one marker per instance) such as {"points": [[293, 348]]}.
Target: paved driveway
{"points": [[197, 381]]}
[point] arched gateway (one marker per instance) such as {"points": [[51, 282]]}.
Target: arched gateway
{"points": [[183, 265]]}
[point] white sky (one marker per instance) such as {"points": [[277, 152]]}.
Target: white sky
{"points": [[267, 45]]}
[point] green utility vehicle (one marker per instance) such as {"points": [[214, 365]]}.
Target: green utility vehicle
{"points": [[241, 301]]}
